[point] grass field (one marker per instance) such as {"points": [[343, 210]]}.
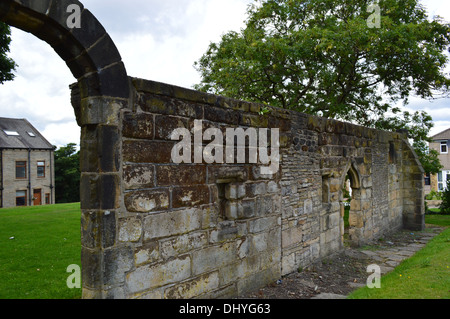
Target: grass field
{"points": [[37, 244], [426, 275]]}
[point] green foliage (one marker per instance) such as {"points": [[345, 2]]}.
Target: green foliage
{"points": [[445, 205], [67, 174], [428, 158], [7, 65], [434, 195], [321, 57]]}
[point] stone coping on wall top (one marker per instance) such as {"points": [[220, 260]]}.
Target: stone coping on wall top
{"points": [[315, 123], [159, 88]]}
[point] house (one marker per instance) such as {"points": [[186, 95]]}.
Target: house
{"points": [[441, 143], [27, 175]]}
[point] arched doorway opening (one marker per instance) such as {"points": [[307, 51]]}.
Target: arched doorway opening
{"points": [[100, 92], [350, 206]]}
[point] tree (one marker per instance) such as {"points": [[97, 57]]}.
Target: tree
{"points": [[428, 158], [67, 174], [7, 65], [327, 57]]}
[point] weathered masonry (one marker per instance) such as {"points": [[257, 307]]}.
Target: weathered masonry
{"points": [[155, 229]]}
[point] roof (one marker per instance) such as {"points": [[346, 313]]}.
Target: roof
{"points": [[444, 135], [20, 134]]}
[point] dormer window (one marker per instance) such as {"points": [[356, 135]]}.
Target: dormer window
{"points": [[444, 147]]}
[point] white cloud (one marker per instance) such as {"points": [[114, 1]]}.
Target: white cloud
{"points": [[158, 40]]}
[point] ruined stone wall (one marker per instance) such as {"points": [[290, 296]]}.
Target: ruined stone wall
{"points": [[214, 230], [151, 228]]}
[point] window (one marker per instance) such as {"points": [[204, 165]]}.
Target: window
{"points": [[444, 149], [41, 169], [440, 182], [21, 170], [21, 198], [31, 134], [11, 133], [427, 179], [47, 198]]}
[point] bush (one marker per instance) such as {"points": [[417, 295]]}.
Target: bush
{"points": [[433, 195], [445, 205]]}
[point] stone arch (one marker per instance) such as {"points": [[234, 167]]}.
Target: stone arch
{"points": [[102, 90], [354, 214], [88, 51], [355, 180]]}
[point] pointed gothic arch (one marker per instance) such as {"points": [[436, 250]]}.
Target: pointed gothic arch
{"points": [[353, 219]]}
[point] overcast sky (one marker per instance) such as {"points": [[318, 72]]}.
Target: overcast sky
{"points": [[158, 40]]}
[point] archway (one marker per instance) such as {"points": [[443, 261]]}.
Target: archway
{"points": [[101, 91], [350, 205]]}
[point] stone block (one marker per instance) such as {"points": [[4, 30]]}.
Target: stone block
{"points": [[165, 125], [171, 175], [272, 187], [167, 105], [108, 138], [90, 229], [138, 125], [220, 115], [152, 276], [263, 224], [147, 151], [248, 209], [130, 229], [255, 189], [108, 228], [145, 201], [235, 191], [179, 245], [146, 254], [91, 274], [194, 288], [138, 176], [255, 121], [227, 173], [173, 223], [213, 257], [190, 196], [259, 279], [291, 236], [117, 261]]}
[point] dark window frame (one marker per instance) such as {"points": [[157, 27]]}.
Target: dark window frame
{"points": [[38, 167], [23, 199], [21, 166]]}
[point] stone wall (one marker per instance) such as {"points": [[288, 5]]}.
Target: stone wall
{"points": [[213, 230]]}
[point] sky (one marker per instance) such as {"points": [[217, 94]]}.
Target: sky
{"points": [[158, 40]]}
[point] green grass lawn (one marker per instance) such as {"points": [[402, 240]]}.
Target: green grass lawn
{"points": [[37, 244], [46, 240], [426, 275]]}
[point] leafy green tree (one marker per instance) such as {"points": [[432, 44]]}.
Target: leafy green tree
{"points": [[67, 174], [428, 158], [327, 57], [7, 65]]}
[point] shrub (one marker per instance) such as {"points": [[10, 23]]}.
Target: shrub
{"points": [[434, 195], [445, 205]]}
